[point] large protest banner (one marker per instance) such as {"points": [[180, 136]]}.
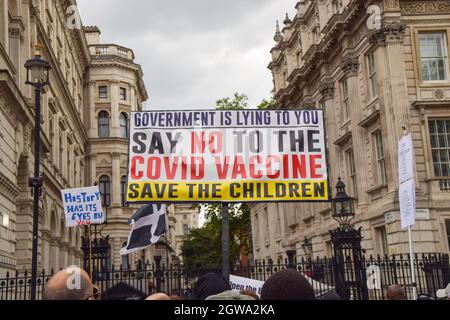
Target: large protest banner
{"points": [[82, 206], [227, 156]]}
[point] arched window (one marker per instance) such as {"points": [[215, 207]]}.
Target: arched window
{"points": [[123, 190], [123, 126], [105, 190], [103, 124]]}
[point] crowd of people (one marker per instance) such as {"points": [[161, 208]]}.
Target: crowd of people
{"points": [[286, 284]]}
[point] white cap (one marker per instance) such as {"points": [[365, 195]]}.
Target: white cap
{"points": [[441, 294]]}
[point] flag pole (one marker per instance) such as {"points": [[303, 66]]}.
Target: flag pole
{"points": [[225, 241], [90, 252]]}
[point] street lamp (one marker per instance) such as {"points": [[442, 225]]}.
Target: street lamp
{"points": [[307, 247], [343, 207], [38, 76]]}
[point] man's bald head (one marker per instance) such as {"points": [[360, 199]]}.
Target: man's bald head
{"points": [[72, 283], [396, 292]]}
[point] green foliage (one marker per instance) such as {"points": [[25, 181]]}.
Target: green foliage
{"points": [[238, 102], [266, 104]]}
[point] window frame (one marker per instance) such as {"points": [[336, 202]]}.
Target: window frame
{"points": [[106, 194], [345, 100], [445, 35], [123, 191], [372, 74], [432, 149], [104, 125], [351, 170], [123, 94], [380, 160], [100, 96], [122, 126]]}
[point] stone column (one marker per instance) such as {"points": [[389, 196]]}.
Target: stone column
{"points": [[115, 125], [327, 90], [133, 100], [93, 116], [116, 200], [351, 68], [393, 93], [4, 33], [93, 168]]}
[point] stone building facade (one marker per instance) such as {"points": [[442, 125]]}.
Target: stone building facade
{"points": [[86, 109], [372, 81]]}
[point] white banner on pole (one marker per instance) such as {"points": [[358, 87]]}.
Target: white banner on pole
{"points": [[407, 194], [407, 190], [83, 206]]}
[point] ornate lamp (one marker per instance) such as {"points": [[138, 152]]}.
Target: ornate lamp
{"points": [[38, 69], [343, 207], [307, 247]]}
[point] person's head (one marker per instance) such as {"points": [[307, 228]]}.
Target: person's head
{"points": [[72, 283], [208, 285], [331, 295], [158, 296], [250, 293], [287, 284], [396, 292], [175, 298]]}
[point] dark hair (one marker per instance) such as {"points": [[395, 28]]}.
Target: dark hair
{"points": [[208, 285], [331, 295], [287, 284]]}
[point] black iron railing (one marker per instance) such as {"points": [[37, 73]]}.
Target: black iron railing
{"points": [[432, 273]]}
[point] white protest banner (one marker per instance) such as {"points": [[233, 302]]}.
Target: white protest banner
{"points": [[407, 190], [405, 159], [241, 284], [83, 206], [227, 156], [407, 195]]}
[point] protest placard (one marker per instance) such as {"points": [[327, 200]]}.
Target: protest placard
{"points": [[227, 156], [243, 284], [83, 206]]}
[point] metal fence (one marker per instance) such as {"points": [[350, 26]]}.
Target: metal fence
{"points": [[432, 273]]}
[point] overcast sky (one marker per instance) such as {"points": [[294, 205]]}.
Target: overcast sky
{"points": [[194, 52]]}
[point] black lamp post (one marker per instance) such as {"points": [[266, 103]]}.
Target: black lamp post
{"points": [[343, 207], [307, 247], [38, 76], [347, 243]]}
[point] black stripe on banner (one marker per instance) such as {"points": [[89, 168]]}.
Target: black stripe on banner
{"points": [[161, 227], [140, 237]]}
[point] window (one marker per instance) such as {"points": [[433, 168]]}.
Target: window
{"points": [[440, 146], [433, 56], [125, 261], [185, 230], [345, 99], [379, 153], [123, 191], [185, 217], [123, 94], [351, 168], [447, 226], [123, 126], [382, 239], [372, 72], [4, 219], [103, 124], [105, 190], [61, 150], [103, 92]]}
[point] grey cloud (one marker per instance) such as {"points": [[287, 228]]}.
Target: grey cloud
{"points": [[194, 52]]}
